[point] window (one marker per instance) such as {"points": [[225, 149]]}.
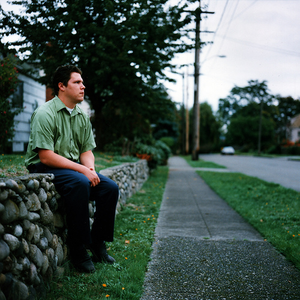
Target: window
{"points": [[17, 98]]}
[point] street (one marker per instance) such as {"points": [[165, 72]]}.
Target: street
{"points": [[279, 170]]}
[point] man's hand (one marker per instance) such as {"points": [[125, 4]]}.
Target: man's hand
{"points": [[92, 176], [87, 159]]}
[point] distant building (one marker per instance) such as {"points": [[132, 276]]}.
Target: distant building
{"points": [[294, 129]]}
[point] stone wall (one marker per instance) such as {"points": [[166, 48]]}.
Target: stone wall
{"points": [[33, 232]]}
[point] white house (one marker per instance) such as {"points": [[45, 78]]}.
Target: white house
{"points": [[30, 94], [295, 129]]}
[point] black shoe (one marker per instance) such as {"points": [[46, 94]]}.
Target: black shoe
{"points": [[100, 254], [81, 260]]}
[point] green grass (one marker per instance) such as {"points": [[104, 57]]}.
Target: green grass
{"points": [[270, 208], [12, 165], [134, 232], [201, 163]]}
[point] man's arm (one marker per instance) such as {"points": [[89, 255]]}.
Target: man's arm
{"points": [[51, 159]]}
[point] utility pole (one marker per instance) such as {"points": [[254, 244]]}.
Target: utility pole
{"points": [[196, 108], [196, 112], [187, 117]]}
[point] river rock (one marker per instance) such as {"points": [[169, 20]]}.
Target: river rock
{"points": [[33, 275], [2, 230], [21, 188], [25, 246], [11, 241], [36, 255], [33, 216], [45, 265], [54, 242], [60, 254], [36, 235], [18, 230], [42, 195], [26, 224], [43, 244], [25, 262], [11, 212], [30, 232], [53, 204], [33, 184], [23, 212], [11, 184], [2, 208], [46, 215], [21, 291], [3, 195], [4, 250], [35, 202]]}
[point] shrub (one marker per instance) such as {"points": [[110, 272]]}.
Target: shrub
{"points": [[170, 142], [275, 149], [156, 153]]}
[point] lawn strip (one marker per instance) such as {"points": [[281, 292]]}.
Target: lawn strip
{"points": [[134, 233], [270, 208], [201, 163]]}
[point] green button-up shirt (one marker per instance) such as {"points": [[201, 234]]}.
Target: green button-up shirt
{"points": [[54, 128]]}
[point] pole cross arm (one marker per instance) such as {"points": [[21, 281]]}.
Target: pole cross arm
{"points": [[206, 12]]}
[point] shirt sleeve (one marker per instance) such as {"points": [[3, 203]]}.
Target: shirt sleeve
{"points": [[42, 131]]}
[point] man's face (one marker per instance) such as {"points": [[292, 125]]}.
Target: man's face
{"points": [[74, 90]]}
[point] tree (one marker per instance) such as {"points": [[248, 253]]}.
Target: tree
{"points": [[244, 127], [8, 84], [209, 128], [255, 93], [122, 48]]}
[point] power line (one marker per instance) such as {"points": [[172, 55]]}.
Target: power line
{"points": [[264, 47], [220, 21]]}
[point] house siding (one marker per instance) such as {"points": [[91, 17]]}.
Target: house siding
{"points": [[34, 95], [295, 129]]}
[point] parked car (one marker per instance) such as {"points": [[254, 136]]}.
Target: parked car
{"points": [[227, 150]]}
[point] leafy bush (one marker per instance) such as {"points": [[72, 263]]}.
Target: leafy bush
{"points": [[8, 84], [275, 149], [156, 153], [294, 150], [170, 142]]}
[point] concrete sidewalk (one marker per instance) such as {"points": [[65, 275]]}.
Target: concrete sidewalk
{"points": [[204, 250]]}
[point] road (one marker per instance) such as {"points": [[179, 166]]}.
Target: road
{"points": [[278, 170]]}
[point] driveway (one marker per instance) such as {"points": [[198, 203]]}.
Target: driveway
{"points": [[278, 170]]}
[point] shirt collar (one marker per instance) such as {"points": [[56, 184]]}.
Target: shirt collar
{"points": [[60, 105]]}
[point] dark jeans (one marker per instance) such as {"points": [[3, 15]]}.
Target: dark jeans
{"points": [[76, 191]]}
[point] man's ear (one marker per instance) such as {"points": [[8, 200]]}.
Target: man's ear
{"points": [[61, 86]]}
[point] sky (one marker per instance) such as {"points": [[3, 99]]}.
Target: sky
{"points": [[261, 41]]}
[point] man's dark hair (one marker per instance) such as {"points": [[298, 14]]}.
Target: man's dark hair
{"points": [[63, 74]]}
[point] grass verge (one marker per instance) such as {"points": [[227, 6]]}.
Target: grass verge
{"points": [[134, 231], [270, 208], [201, 163], [12, 165]]}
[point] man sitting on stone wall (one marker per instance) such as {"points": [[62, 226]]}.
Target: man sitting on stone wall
{"points": [[61, 143]]}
